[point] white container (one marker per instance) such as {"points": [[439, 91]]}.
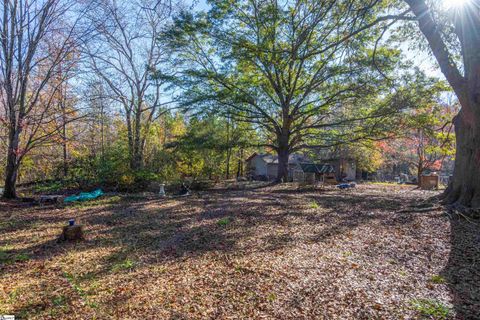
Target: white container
{"points": [[162, 193]]}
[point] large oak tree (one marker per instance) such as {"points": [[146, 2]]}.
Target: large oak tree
{"points": [[301, 71]]}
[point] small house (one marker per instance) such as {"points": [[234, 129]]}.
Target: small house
{"points": [[300, 168], [265, 166], [314, 172]]}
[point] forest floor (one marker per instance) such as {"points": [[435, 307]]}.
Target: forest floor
{"points": [[376, 252]]}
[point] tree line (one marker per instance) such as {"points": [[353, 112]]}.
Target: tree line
{"points": [[123, 90]]}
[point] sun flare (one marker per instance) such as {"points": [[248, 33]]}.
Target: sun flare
{"points": [[451, 4]]}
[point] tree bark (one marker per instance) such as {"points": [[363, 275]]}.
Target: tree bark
{"points": [[283, 155], [464, 189], [11, 170], [419, 176], [229, 151], [282, 170], [64, 136]]}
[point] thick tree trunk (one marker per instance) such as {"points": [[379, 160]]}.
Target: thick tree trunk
{"points": [[240, 164], [464, 189], [282, 170]]}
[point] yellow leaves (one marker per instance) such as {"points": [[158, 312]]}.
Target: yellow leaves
{"points": [[127, 180]]}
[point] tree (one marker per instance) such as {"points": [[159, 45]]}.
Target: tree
{"points": [[125, 55], [460, 28], [428, 139], [211, 146], [35, 39], [294, 69]]}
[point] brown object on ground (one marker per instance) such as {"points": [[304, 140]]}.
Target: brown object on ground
{"points": [[72, 233], [429, 182]]}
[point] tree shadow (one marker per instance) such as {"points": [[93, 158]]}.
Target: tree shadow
{"points": [[462, 272]]}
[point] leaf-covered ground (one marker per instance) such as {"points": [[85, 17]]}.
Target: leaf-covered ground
{"points": [[377, 252]]}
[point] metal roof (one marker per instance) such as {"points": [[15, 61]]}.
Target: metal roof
{"points": [[317, 168], [273, 159]]}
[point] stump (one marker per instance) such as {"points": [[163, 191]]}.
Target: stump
{"points": [[72, 233]]}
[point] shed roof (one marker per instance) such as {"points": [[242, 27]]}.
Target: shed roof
{"points": [[273, 159], [317, 168]]}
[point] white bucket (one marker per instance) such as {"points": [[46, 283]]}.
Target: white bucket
{"points": [[161, 193]]}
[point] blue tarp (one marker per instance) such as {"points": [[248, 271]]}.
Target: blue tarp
{"points": [[84, 196], [346, 185]]}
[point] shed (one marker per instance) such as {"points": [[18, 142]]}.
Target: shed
{"points": [[313, 172]]}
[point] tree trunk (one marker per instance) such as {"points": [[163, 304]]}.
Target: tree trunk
{"points": [[11, 171], [229, 151], [137, 159], [419, 174], [282, 170], [64, 141], [240, 164], [464, 189]]}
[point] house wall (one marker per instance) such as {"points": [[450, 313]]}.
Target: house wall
{"points": [[344, 169], [350, 169], [257, 166], [272, 169]]}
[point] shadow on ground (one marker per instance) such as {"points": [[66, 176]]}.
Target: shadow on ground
{"points": [[462, 272]]}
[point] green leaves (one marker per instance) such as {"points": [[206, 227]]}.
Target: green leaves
{"points": [[305, 70]]}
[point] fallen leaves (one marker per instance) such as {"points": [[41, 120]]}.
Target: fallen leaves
{"points": [[272, 253]]}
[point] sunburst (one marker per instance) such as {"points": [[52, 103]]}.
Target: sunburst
{"points": [[453, 4]]}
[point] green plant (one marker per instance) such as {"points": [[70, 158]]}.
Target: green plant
{"points": [[59, 300], [224, 221], [127, 264], [431, 308], [347, 253], [75, 283], [314, 205], [4, 257], [22, 257], [8, 258], [438, 279]]}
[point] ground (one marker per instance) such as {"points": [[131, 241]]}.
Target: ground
{"points": [[377, 252]]}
